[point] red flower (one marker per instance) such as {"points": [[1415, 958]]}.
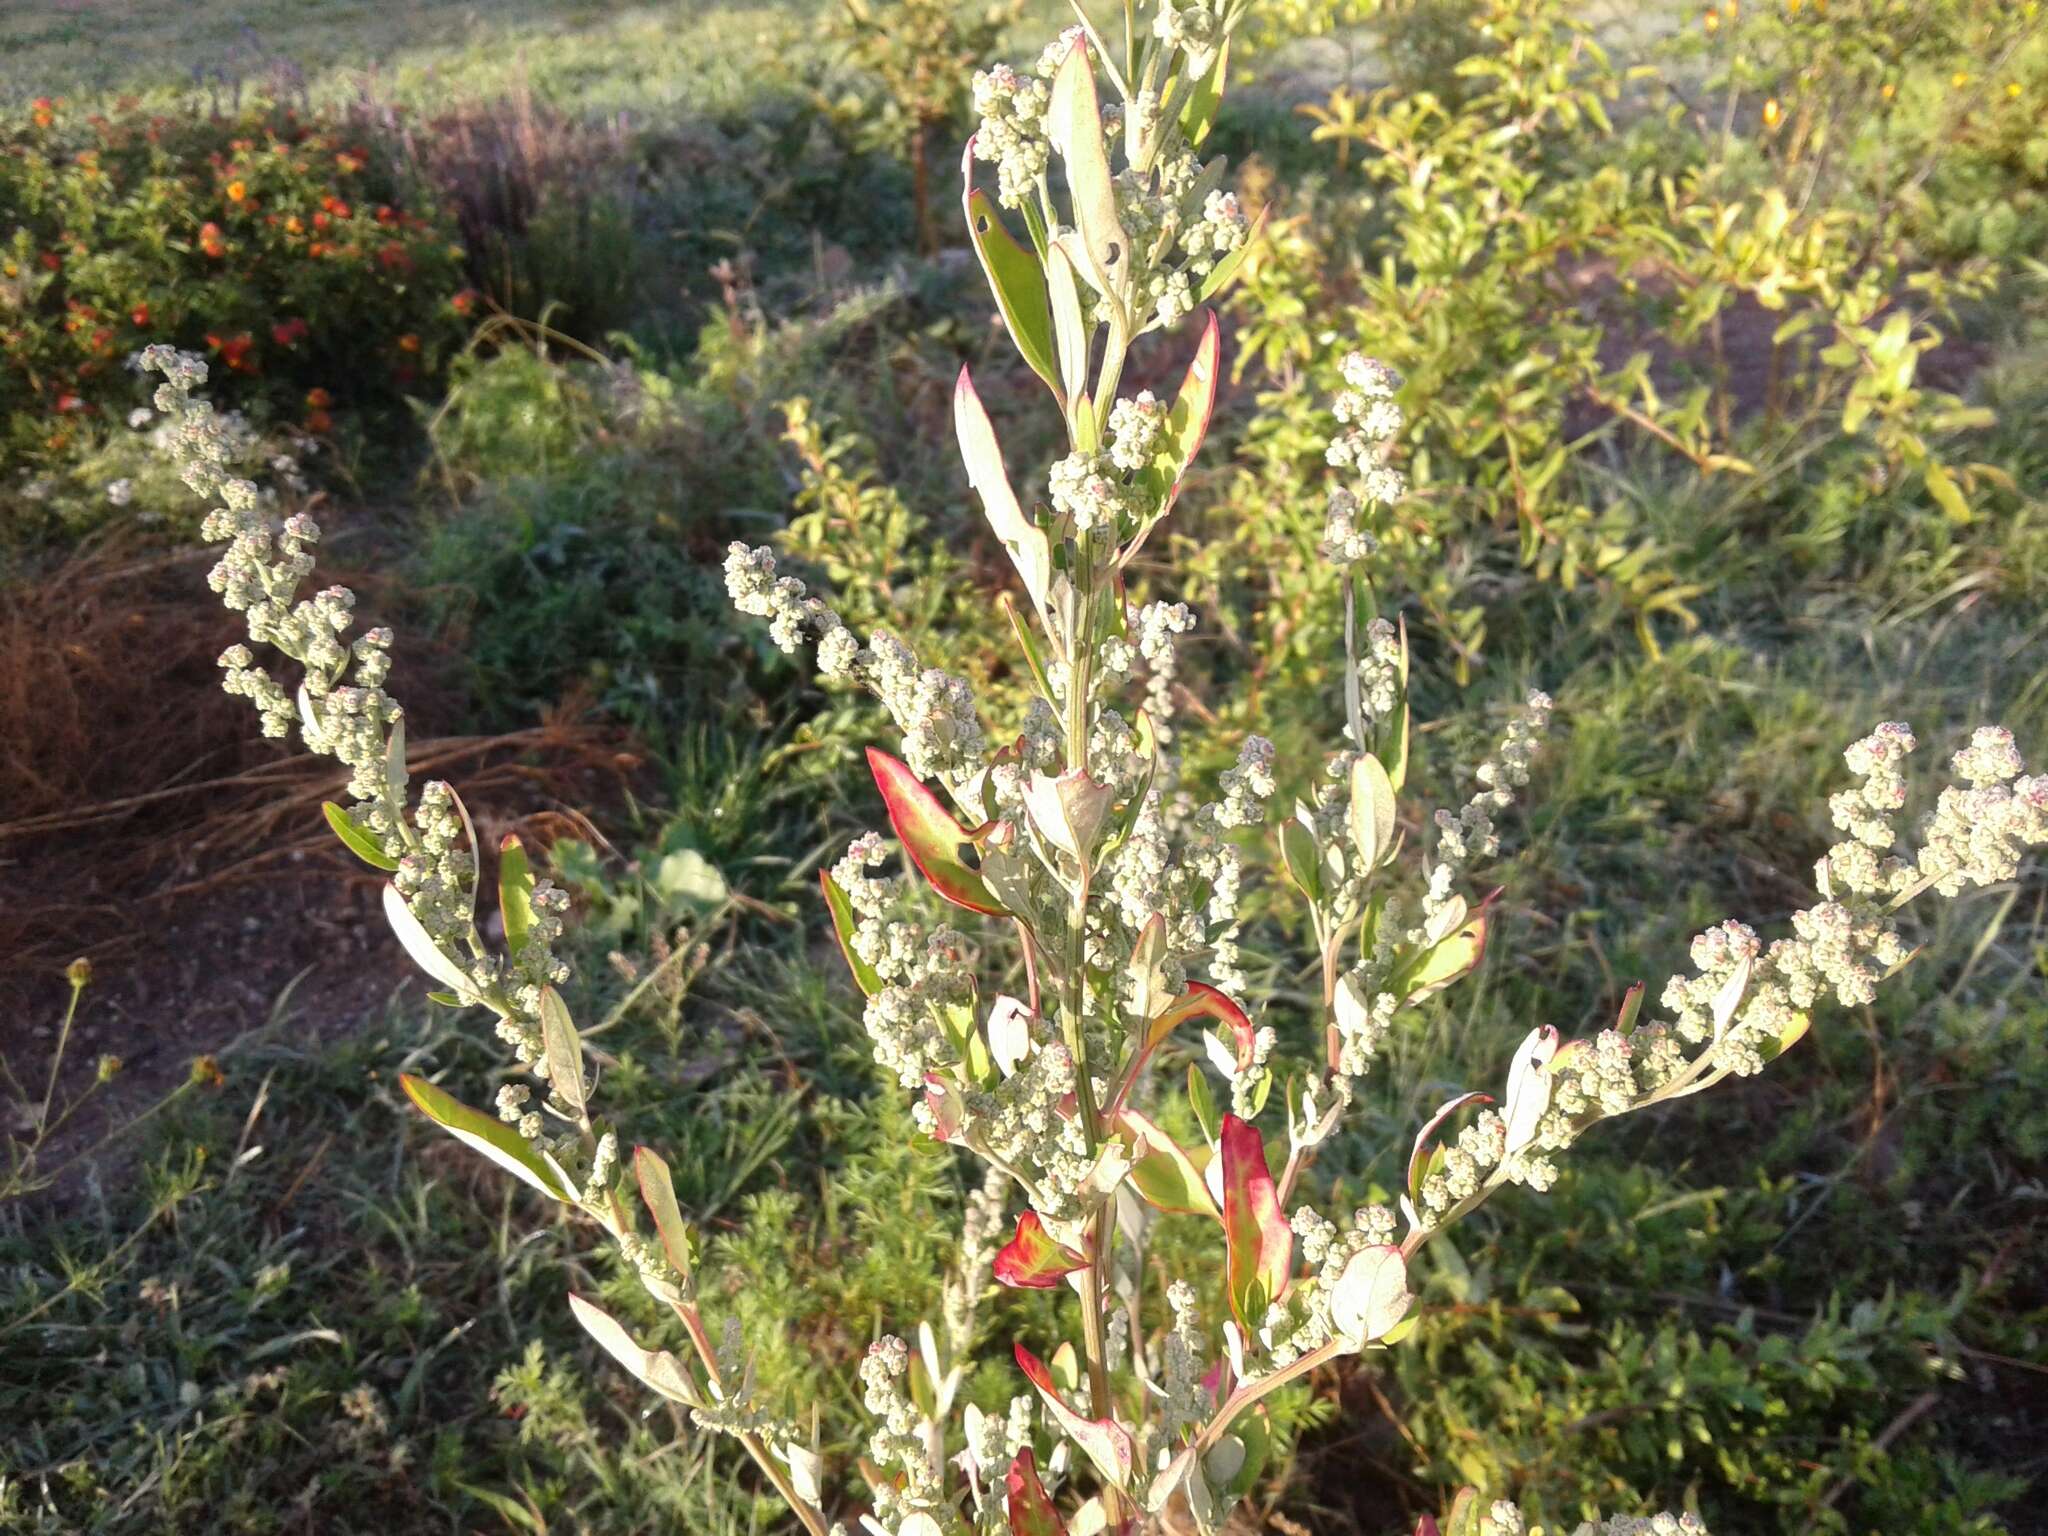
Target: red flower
{"points": [[463, 302], [52, 261], [320, 423], [70, 402], [384, 213], [319, 221], [288, 332], [394, 258], [235, 351], [317, 399], [139, 315], [210, 241]]}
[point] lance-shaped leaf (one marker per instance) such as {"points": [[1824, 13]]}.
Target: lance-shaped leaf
{"points": [[1199, 115], [658, 1190], [1073, 122], [1371, 1295], [983, 456], [564, 1048], [1187, 421], [1298, 856], [426, 954], [1014, 276], [655, 1368], [865, 976], [1450, 959], [487, 1134], [515, 892], [937, 844], [1260, 1241], [1106, 1443], [1372, 810], [1031, 1509], [1528, 1089], [357, 838], [1225, 270], [1031, 1260], [1070, 327], [1166, 1174], [1419, 1157]]}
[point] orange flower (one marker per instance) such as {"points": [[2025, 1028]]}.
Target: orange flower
{"points": [[43, 112], [408, 342], [317, 249], [347, 164], [1711, 21], [320, 423], [384, 214], [317, 399], [210, 241], [139, 316], [237, 190], [294, 226], [463, 302]]}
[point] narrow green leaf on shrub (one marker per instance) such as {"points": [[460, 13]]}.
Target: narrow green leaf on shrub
{"points": [[357, 838], [487, 1134], [1016, 278], [515, 891], [843, 923]]}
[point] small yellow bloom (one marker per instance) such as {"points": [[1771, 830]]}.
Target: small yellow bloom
{"points": [[1711, 21], [1888, 90], [1773, 114], [2012, 89], [237, 191], [1959, 79]]}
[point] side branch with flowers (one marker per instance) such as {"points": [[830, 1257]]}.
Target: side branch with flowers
{"points": [[1068, 842]]}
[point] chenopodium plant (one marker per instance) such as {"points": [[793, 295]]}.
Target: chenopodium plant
{"points": [[1111, 889]]}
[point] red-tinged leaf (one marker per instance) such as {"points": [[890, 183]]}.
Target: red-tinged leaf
{"points": [[1420, 1156], [937, 844], [1166, 1175], [948, 1109], [1031, 1511], [1631, 1006], [1032, 1260], [1200, 1001], [1260, 1241], [865, 976], [1107, 1444]]}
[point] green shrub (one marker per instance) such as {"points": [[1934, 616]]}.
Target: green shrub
{"points": [[268, 241]]}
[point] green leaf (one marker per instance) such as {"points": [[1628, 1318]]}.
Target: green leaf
{"points": [[357, 838], [655, 1368], [658, 1192], [1070, 328], [1202, 1102], [1029, 549], [1225, 270], [1372, 811], [426, 954], [515, 892], [1199, 115], [1298, 857], [936, 843], [565, 1051], [487, 1134], [1074, 124], [1017, 280], [687, 875], [865, 976], [1260, 1241], [1187, 422], [1947, 495], [1164, 1172], [1437, 967]]}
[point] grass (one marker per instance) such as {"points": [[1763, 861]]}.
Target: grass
{"points": [[1812, 1301]]}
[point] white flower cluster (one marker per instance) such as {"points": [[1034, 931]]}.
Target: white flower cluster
{"points": [[900, 1439], [1663, 1523], [1369, 422], [1979, 830], [1194, 28], [942, 735], [1011, 134], [1134, 427], [1303, 1321], [1090, 490], [343, 712], [1176, 241], [1183, 1365], [1470, 835]]}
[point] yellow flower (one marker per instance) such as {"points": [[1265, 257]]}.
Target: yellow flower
{"points": [[1888, 90], [1773, 114], [1711, 21], [237, 191], [1959, 79], [2012, 89]]}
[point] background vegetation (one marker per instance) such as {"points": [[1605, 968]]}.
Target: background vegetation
{"points": [[1729, 342]]}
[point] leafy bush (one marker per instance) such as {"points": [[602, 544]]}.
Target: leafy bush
{"points": [[265, 240]]}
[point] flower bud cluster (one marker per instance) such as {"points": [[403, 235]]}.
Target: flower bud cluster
{"points": [[1467, 1161], [1011, 134], [1183, 1365], [899, 1440], [1369, 421], [1302, 1321], [1134, 427], [1470, 835], [1979, 830], [1661, 1524], [1089, 489], [942, 734]]}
